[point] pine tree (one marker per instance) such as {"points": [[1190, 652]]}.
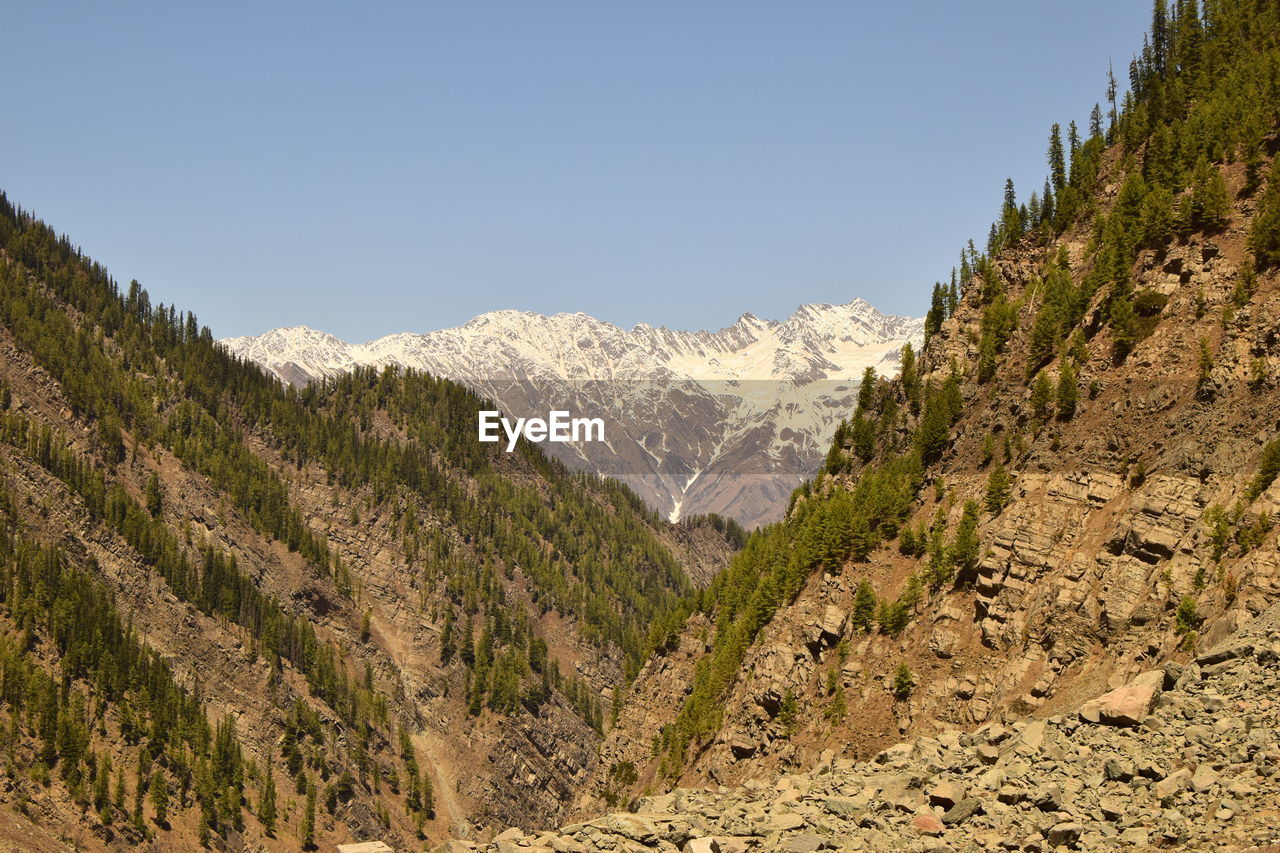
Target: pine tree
{"points": [[139, 792], [1123, 319], [160, 797], [428, 794], [1057, 159], [937, 312], [1011, 226], [964, 548], [1041, 396], [1264, 235], [267, 805], [154, 495], [1204, 368], [204, 831], [1112, 112], [864, 605], [1245, 284], [309, 819], [1210, 202], [1043, 338], [939, 569], [907, 375], [102, 787], [903, 681], [999, 489], [1067, 394]]}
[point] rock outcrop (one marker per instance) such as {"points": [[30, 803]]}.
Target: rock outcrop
{"points": [[1195, 765]]}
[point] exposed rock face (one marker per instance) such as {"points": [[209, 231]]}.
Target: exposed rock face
{"points": [[1200, 771], [1079, 577]]}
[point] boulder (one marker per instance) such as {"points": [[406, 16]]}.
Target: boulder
{"points": [[962, 811], [1204, 778], [1226, 651], [845, 806], [1128, 705], [831, 627], [1112, 808], [701, 845], [741, 746], [1064, 834], [1172, 784], [783, 822], [1118, 770], [927, 824], [805, 842], [631, 826], [947, 793], [1049, 797]]}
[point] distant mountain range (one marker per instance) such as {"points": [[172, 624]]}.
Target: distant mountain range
{"points": [[697, 421]]}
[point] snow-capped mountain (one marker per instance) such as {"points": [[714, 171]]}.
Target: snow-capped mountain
{"points": [[726, 421]]}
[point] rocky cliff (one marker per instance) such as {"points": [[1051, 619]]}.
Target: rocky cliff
{"points": [[1095, 428], [1183, 756]]}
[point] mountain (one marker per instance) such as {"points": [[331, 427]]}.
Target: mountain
{"points": [[235, 614], [724, 422], [1086, 780], [1029, 601], [1072, 485]]}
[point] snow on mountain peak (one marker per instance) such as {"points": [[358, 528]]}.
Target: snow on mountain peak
{"points": [[759, 395], [840, 340]]}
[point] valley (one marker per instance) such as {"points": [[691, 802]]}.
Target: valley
{"points": [[724, 422], [1003, 577]]}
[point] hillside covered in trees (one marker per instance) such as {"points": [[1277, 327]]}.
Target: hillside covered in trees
{"points": [[1074, 477], [234, 610]]}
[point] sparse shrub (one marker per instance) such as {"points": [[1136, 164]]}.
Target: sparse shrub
{"points": [[903, 681], [1219, 531], [1204, 368], [789, 713], [1185, 618], [1268, 469]]}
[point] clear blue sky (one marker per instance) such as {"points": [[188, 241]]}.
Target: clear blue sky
{"points": [[380, 167]]}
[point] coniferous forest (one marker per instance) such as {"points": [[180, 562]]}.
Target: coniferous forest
{"points": [[1203, 95], [491, 547], [237, 613]]}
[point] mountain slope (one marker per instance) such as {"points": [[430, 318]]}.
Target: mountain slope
{"points": [[722, 422], [1075, 481], [1201, 774], [324, 615]]}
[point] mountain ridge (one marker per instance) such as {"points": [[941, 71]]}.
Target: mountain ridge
{"points": [[808, 323], [1075, 481], [722, 422]]}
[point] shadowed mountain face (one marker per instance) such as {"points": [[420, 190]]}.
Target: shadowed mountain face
{"points": [[696, 422]]}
